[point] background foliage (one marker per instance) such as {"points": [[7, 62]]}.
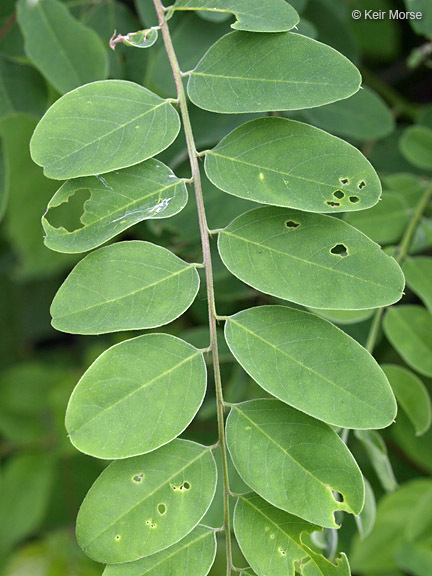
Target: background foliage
{"points": [[43, 479]]}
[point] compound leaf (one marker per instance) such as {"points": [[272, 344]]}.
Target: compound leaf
{"points": [[364, 116], [252, 15], [418, 274], [271, 541], [309, 259], [247, 72], [409, 329], [194, 554], [300, 448], [412, 395], [287, 163], [269, 342], [125, 286], [137, 396], [117, 201], [66, 52], [102, 127], [416, 145], [142, 505]]}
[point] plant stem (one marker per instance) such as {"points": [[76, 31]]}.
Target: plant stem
{"points": [[401, 256], [205, 242]]}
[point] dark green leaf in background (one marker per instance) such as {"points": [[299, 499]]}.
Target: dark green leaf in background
{"points": [[309, 259], [412, 396], [416, 146], [246, 72], [418, 274], [364, 116], [67, 53], [102, 127], [286, 163], [22, 90], [409, 329]]}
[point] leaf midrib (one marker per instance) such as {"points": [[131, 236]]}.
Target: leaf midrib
{"points": [[269, 80], [129, 295], [333, 270]]}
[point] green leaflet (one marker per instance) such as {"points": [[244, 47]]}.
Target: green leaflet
{"points": [[271, 541], [287, 163], [125, 286], [364, 116], [416, 145], [377, 452], [412, 395], [193, 555], [422, 25], [309, 259], [386, 222], [67, 53], [344, 317], [137, 396], [102, 127], [117, 201], [269, 343], [26, 507], [409, 329], [366, 519], [22, 90], [142, 505], [252, 15], [376, 553], [301, 449], [247, 72], [418, 274]]}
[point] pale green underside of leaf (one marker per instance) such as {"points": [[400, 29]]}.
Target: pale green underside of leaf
{"points": [[286, 163], [293, 461], [136, 396], [66, 52], [416, 145], [125, 286], [386, 222], [288, 254], [270, 540], [145, 504], [247, 72], [117, 201], [252, 15], [412, 396], [409, 329], [418, 274], [102, 127], [366, 519], [344, 317], [193, 555], [22, 90], [376, 450], [364, 116], [309, 364]]}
